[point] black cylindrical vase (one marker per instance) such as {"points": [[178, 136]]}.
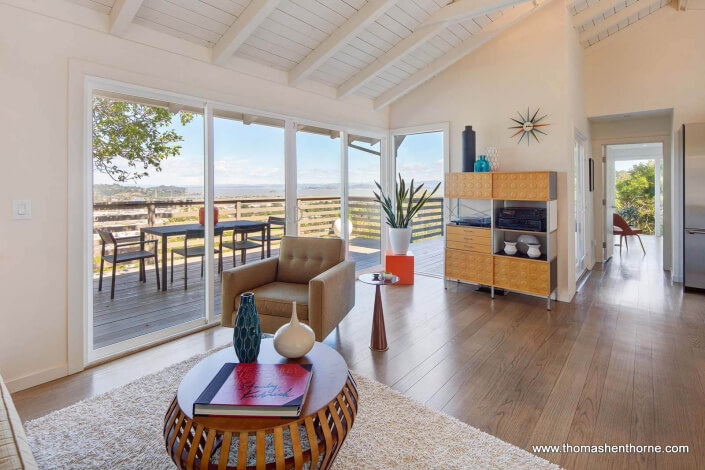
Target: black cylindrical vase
{"points": [[469, 149]]}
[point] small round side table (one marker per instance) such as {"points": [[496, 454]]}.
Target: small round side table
{"points": [[378, 340], [315, 437]]}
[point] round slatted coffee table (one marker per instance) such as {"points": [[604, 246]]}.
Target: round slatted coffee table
{"points": [[215, 442]]}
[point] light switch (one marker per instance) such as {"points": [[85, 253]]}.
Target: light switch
{"points": [[21, 209]]}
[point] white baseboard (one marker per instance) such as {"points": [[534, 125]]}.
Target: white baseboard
{"points": [[36, 378]]}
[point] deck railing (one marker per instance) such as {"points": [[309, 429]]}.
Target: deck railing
{"points": [[317, 215]]}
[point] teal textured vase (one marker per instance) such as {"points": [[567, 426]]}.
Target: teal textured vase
{"points": [[482, 165], [248, 334]]}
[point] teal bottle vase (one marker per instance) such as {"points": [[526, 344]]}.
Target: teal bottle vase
{"points": [[482, 165], [248, 334]]}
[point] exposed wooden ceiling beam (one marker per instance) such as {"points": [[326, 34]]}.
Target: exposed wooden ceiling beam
{"points": [[615, 19], [340, 37], [508, 19], [122, 14], [434, 24], [402, 48], [245, 24], [593, 11], [462, 10]]}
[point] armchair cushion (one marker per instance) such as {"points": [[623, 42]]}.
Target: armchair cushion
{"points": [[275, 299], [301, 259], [244, 278]]}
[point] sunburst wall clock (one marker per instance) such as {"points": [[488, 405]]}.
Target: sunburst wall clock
{"points": [[529, 126]]}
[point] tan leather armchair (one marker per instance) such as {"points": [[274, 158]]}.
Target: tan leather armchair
{"points": [[311, 271]]}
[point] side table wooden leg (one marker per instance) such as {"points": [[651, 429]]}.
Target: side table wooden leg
{"points": [[378, 341]]}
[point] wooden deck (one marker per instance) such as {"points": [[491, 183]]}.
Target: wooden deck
{"points": [[138, 308]]}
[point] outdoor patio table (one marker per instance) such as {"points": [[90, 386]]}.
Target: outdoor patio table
{"points": [[166, 231]]}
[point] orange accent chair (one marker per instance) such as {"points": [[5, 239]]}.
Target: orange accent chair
{"points": [[623, 229]]}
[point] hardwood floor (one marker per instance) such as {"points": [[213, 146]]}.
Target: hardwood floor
{"points": [[624, 363]]}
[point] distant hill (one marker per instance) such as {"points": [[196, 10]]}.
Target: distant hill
{"points": [[117, 192]]}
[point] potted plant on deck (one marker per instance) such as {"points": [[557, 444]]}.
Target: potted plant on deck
{"points": [[400, 212]]}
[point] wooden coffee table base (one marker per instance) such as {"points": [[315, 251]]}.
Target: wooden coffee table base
{"points": [[187, 442]]}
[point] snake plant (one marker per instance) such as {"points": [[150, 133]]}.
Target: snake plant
{"points": [[408, 204]]}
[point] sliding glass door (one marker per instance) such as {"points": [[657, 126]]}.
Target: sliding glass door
{"points": [[318, 185], [421, 155], [147, 185], [162, 165], [364, 213]]}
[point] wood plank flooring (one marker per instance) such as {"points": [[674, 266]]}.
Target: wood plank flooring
{"points": [[623, 363]]}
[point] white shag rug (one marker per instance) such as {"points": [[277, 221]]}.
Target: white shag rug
{"points": [[122, 429]]}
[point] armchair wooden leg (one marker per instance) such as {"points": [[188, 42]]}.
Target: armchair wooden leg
{"points": [[620, 244], [626, 242], [100, 279], [112, 282], [172, 267], [640, 243]]}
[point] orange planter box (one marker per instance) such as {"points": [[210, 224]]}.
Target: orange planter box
{"points": [[400, 265]]}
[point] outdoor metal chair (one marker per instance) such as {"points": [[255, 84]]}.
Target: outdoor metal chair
{"points": [[116, 256], [193, 251]]}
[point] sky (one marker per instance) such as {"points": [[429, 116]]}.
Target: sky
{"points": [[254, 155]]}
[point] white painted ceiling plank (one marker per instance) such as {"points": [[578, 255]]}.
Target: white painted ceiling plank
{"points": [[509, 19], [122, 14], [241, 29], [186, 15], [177, 24], [342, 36]]}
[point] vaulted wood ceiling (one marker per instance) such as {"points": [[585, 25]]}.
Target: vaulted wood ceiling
{"points": [[380, 49]]}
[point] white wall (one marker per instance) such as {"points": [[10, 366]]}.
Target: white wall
{"points": [[656, 63], [35, 52], [534, 64]]}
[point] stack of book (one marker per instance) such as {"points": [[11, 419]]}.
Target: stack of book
{"points": [[255, 390]]}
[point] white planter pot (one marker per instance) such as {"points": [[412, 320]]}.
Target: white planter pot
{"points": [[400, 239]]}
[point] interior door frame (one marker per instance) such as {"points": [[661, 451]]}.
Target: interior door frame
{"points": [[665, 141], [581, 140], [443, 127]]}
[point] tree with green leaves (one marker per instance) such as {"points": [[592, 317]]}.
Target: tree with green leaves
{"points": [[135, 134], [635, 196]]}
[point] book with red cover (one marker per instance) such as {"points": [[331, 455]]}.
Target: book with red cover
{"points": [[255, 390]]}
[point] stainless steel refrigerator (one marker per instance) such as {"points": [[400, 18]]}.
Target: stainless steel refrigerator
{"points": [[693, 145]]}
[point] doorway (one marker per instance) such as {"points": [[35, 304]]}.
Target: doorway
{"points": [[633, 192]]}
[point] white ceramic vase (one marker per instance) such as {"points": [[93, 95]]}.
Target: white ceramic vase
{"points": [[400, 239], [510, 248], [534, 250], [294, 339]]}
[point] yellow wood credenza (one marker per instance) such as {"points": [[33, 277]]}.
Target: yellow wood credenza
{"points": [[476, 255]]}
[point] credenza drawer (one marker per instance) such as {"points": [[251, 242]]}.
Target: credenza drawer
{"points": [[469, 266], [480, 246], [521, 275], [463, 233]]}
